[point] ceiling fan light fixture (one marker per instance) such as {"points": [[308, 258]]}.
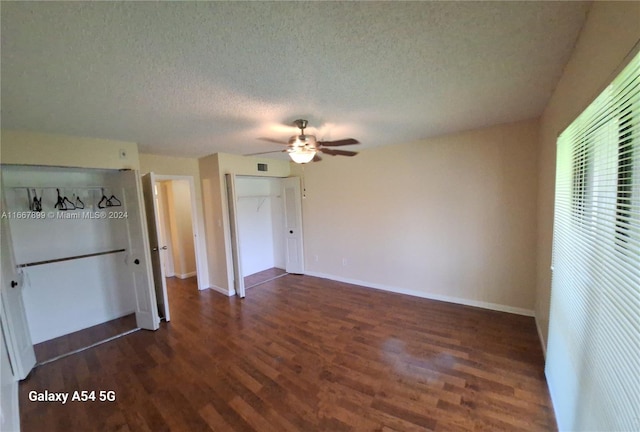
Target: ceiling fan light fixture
{"points": [[304, 141], [303, 148], [302, 155]]}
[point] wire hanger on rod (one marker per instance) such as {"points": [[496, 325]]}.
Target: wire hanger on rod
{"points": [[63, 203], [105, 202], [78, 203], [35, 203]]}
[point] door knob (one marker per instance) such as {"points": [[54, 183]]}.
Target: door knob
{"points": [[14, 284]]}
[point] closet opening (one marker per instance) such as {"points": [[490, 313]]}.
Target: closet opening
{"points": [[265, 229], [78, 259], [260, 215]]}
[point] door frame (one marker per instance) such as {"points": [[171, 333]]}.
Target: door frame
{"points": [[200, 259], [234, 258]]}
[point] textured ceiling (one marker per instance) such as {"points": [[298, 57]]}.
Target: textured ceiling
{"points": [[195, 78]]}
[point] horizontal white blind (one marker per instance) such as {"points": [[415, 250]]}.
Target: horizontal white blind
{"points": [[593, 353]]}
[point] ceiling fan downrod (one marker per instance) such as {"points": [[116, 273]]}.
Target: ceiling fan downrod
{"points": [[301, 124]]}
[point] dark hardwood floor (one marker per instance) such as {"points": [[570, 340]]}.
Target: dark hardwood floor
{"points": [[62, 345], [263, 276], [304, 354]]}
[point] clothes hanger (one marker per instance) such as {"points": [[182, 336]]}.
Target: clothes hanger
{"points": [[104, 201], [35, 204], [60, 204], [78, 203], [113, 202], [68, 204]]}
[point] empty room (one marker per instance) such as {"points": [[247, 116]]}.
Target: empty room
{"points": [[320, 216]]}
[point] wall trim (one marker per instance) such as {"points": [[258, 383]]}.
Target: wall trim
{"points": [[542, 341], [185, 275], [222, 290], [448, 299]]}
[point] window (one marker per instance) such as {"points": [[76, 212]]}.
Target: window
{"points": [[593, 351], [627, 119]]}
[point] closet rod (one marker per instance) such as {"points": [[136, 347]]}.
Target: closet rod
{"points": [[258, 196], [59, 187], [70, 258]]}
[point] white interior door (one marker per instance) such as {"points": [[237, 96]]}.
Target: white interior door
{"points": [[9, 403], [164, 231], [155, 241], [238, 280], [12, 312], [139, 257], [293, 225]]}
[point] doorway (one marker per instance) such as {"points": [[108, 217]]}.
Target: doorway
{"points": [[176, 228], [266, 229], [173, 233], [260, 214]]}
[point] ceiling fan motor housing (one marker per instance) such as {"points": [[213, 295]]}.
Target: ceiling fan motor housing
{"points": [[301, 124], [302, 140]]}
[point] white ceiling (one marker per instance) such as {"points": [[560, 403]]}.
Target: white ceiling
{"points": [[195, 78]]}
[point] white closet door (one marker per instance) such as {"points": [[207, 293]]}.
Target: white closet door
{"points": [[138, 255], [13, 317], [153, 226], [293, 225], [238, 280], [9, 403]]}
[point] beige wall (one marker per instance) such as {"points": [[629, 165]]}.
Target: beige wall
{"points": [[31, 148], [452, 218], [168, 165], [608, 36], [213, 222], [181, 228], [176, 166], [212, 170]]}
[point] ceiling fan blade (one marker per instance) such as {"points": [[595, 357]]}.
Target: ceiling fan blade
{"points": [[333, 152], [273, 140], [342, 142], [316, 158], [261, 153]]}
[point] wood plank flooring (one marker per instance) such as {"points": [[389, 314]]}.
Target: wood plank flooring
{"points": [[304, 354], [263, 276], [68, 343]]}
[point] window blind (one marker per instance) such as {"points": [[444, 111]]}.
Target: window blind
{"points": [[593, 351]]}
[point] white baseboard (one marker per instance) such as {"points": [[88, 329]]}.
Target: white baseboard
{"points": [[542, 341], [448, 299], [222, 290], [186, 275]]}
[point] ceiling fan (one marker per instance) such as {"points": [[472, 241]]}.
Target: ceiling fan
{"points": [[304, 148]]}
